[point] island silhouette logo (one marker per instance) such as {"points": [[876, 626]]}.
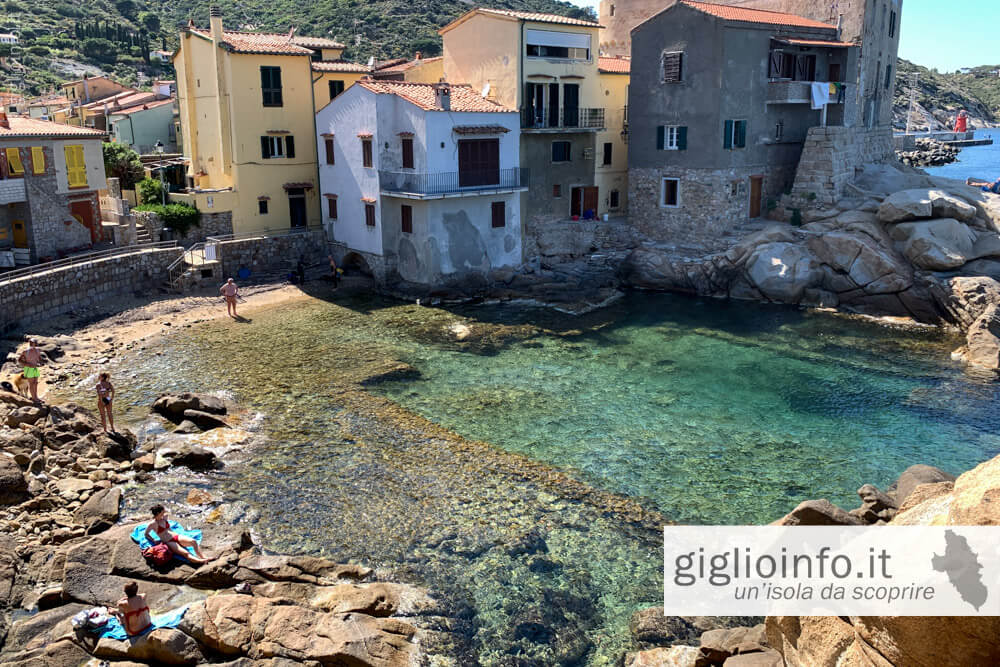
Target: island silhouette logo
{"points": [[963, 568]]}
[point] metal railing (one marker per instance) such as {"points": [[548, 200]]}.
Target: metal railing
{"points": [[440, 183], [565, 117], [799, 92], [264, 233], [86, 258]]}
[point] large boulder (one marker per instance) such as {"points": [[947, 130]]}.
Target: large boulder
{"points": [[673, 656], [923, 203], [862, 261], [923, 641], [13, 485], [915, 476], [181, 453], [818, 513], [936, 245], [204, 420], [783, 271], [100, 512], [812, 641], [163, 646], [967, 297], [650, 626], [982, 347], [977, 497], [30, 415], [172, 406], [225, 623]]}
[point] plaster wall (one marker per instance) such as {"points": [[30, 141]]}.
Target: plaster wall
{"points": [[614, 93], [142, 129], [485, 49], [321, 85]]}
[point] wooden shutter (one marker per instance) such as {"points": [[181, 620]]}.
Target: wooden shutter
{"points": [[727, 135], [366, 152], [265, 148], [407, 153], [14, 164], [406, 218], [370, 215], [329, 151], [289, 146], [741, 134], [682, 138], [37, 160], [331, 205], [673, 67], [499, 213], [76, 168], [774, 66], [660, 140]]}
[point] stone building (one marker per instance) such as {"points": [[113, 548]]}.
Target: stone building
{"points": [[49, 178], [421, 181]]}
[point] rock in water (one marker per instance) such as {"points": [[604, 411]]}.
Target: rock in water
{"points": [[172, 406], [783, 271], [818, 513], [913, 477], [204, 420], [983, 340]]}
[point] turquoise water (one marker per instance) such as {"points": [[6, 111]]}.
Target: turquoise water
{"points": [[658, 408], [975, 161]]}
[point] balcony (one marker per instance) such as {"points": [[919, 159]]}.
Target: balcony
{"points": [[544, 119], [797, 92], [417, 185], [12, 191]]}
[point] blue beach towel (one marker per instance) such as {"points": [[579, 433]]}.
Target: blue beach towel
{"points": [[139, 535], [115, 630]]}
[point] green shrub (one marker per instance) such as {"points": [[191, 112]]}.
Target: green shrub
{"points": [[150, 191], [178, 217], [38, 50]]}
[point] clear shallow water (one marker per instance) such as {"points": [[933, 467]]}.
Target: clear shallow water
{"points": [[708, 412], [975, 161]]}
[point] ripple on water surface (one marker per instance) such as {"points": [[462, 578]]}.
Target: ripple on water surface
{"points": [[707, 412]]}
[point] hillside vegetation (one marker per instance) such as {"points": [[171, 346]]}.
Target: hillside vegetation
{"points": [[941, 96], [50, 50]]}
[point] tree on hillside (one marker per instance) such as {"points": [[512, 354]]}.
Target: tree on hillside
{"points": [[126, 7], [99, 49], [150, 21], [123, 163]]}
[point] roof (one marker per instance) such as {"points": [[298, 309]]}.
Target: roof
{"points": [[50, 102], [141, 107], [317, 42], [406, 64], [463, 97], [817, 42], [35, 127], [755, 15], [89, 78], [617, 65], [338, 66], [480, 129], [258, 42], [125, 98], [523, 16]]}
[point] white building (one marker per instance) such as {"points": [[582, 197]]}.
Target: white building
{"points": [[8, 38], [421, 181]]}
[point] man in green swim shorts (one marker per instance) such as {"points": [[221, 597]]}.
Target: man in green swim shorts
{"points": [[30, 360]]}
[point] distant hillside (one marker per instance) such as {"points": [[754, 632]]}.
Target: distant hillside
{"points": [[941, 96], [52, 48]]}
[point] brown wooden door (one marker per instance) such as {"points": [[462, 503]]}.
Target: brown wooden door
{"points": [[576, 201], [20, 234], [83, 211], [590, 200], [756, 190], [478, 162]]}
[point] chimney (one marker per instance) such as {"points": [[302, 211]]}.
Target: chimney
{"points": [[418, 55], [4, 123], [215, 22], [442, 95]]}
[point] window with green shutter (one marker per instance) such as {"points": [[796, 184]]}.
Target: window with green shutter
{"points": [[660, 135], [734, 134], [727, 135]]}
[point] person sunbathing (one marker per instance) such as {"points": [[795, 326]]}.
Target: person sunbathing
{"points": [[985, 185], [160, 527], [132, 611]]}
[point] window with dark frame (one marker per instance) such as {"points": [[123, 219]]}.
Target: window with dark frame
{"points": [[892, 24], [277, 147], [407, 152], [561, 151], [331, 208], [670, 193], [478, 162], [613, 200], [370, 215], [607, 153], [557, 191], [336, 88], [734, 134], [328, 143], [888, 77], [366, 152], [406, 218], [499, 214], [262, 206], [270, 86], [673, 67]]}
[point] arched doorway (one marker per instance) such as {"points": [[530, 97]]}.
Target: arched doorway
{"points": [[355, 263]]}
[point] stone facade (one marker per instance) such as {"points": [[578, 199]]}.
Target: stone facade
{"points": [[37, 297], [271, 255], [347, 258], [211, 224], [830, 157]]}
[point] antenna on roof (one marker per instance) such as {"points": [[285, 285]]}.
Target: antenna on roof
{"points": [[371, 62]]}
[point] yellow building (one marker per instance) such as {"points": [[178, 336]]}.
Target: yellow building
{"points": [[332, 77], [247, 113], [418, 70], [547, 67], [90, 89], [612, 142]]}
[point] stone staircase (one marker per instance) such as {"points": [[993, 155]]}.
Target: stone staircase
{"points": [[191, 268], [142, 234]]}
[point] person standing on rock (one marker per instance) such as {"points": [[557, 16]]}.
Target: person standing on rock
{"points": [[231, 292], [30, 360], [132, 611], [178, 544], [334, 271], [105, 394]]}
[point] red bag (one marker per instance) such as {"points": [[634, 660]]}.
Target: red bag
{"points": [[160, 554]]}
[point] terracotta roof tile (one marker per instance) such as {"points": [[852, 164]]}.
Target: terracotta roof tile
{"points": [[50, 102], [141, 107], [338, 66], [756, 15], [35, 127], [463, 97], [317, 42], [614, 65], [407, 65], [816, 42], [539, 18], [258, 42]]}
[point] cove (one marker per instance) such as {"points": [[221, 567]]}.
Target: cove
{"points": [[595, 430]]}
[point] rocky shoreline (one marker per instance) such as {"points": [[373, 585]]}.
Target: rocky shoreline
{"points": [[929, 153]]}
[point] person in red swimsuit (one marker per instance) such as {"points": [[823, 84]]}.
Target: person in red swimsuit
{"points": [[132, 611], [160, 527]]}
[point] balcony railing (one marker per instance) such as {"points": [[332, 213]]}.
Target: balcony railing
{"points": [[541, 118], [798, 92], [441, 183]]}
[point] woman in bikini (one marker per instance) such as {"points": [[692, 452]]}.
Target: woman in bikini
{"points": [[132, 611], [160, 527], [105, 394]]}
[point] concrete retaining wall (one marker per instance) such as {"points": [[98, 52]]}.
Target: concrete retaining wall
{"points": [[271, 255], [31, 299]]}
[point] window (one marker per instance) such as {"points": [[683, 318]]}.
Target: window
{"points": [[478, 162], [735, 134], [366, 152], [37, 160], [370, 215], [561, 45], [779, 130], [336, 88], [670, 193], [277, 147], [892, 24], [406, 218], [671, 138], [262, 206], [607, 153], [331, 208], [499, 214], [407, 153], [328, 143], [561, 151], [270, 86], [612, 10], [14, 165], [672, 64], [781, 65], [805, 68], [888, 77], [76, 168], [557, 191], [561, 52], [613, 200]]}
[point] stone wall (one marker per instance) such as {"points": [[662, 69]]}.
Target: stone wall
{"points": [[34, 298], [830, 157], [211, 224], [151, 221], [52, 227], [347, 258], [569, 239], [268, 256]]}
